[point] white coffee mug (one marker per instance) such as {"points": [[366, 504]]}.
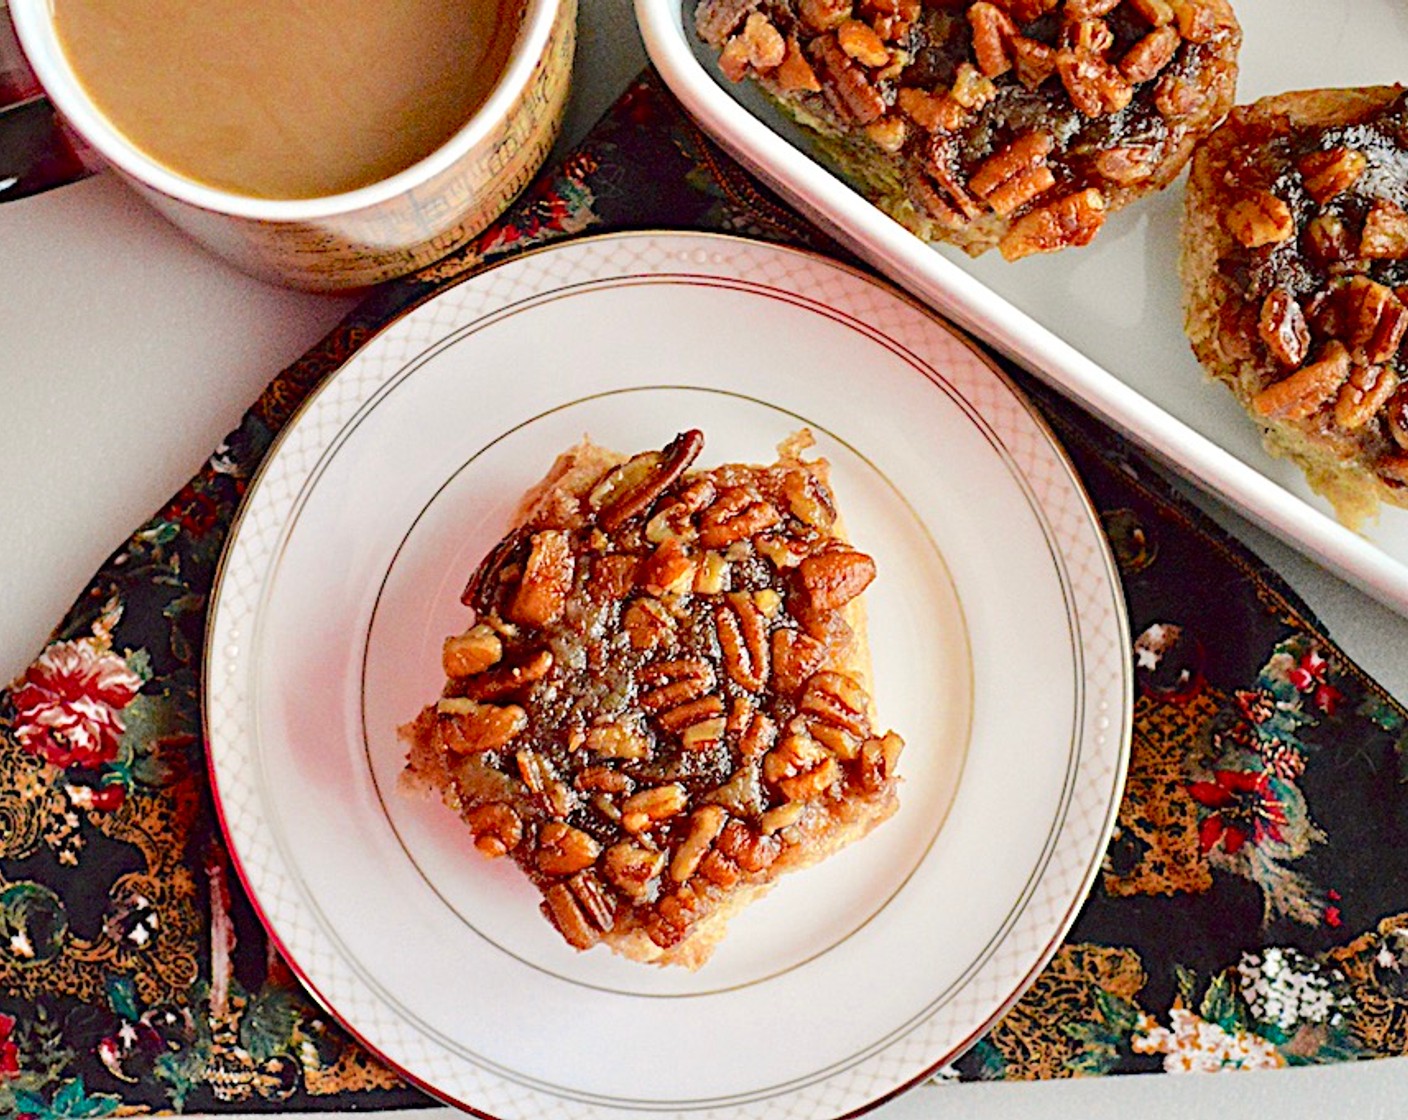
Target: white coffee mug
{"points": [[364, 236]]}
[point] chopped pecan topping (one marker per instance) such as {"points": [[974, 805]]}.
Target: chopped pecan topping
{"points": [[613, 577], [1090, 9], [565, 912], [766, 46], [1385, 235], [465, 726], [758, 737], [861, 43], [1302, 394], [602, 779], [752, 851], [845, 84], [1363, 395], [971, 89], [540, 779], [801, 768], [650, 806], [1032, 60], [1096, 86], [1029, 11], [1015, 175], [704, 734], [593, 898], [795, 657], [1326, 239], [1175, 97], [669, 570], [471, 652], [506, 679], [878, 760], [1326, 271], [1196, 21], [669, 700], [716, 20], [631, 868], [1026, 152], [743, 639], [932, 112], [937, 166], [824, 15], [630, 489], [563, 850], [888, 133], [692, 713], [1131, 164], [837, 699], [1156, 12], [1283, 328], [1396, 414], [1261, 218], [705, 824], [1087, 36], [547, 578], [736, 514], [1072, 220], [784, 816], [833, 579], [794, 73], [1375, 319], [931, 202], [733, 59], [496, 828], [993, 30], [1147, 58], [1122, 86], [1331, 172], [676, 682]]}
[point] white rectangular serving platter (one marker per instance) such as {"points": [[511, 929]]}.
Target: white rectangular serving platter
{"points": [[1102, 324]]}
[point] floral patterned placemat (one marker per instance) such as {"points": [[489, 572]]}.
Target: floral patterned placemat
{"points": [[1252, 910]]}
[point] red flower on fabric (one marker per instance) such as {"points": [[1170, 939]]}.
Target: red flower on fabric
{"points": [[1327, 698], [9, 1052], [1310, 671], [1309, 676], [194, 510], [1244, 810], [68, 706]]}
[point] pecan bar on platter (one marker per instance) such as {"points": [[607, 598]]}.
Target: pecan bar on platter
{"points": [[663, 701], [1295, 278], [1012, 123]]}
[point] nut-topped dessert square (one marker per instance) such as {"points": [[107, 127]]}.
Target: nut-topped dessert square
{"points": [[663, 702], [1295, 277], [1019, 124]]}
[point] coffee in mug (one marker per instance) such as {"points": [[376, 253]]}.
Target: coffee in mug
{"points": [[286, 98]]}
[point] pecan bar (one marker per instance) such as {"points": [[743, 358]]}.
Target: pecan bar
{"points": [[663, 700], [1295, 276], [1012, 123]]}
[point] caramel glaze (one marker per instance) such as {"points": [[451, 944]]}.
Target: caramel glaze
{"points": [[1314, 271], [664, 631]]}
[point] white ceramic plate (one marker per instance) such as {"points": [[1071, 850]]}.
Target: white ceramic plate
{"points": [[1102, 324], [996, 626]]}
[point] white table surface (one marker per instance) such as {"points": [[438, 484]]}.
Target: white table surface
{"points": [[126, 354]]}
